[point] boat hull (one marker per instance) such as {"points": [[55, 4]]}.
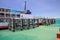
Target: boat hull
{"points": [[3, 25]]}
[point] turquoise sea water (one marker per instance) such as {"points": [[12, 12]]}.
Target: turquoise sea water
{"points": [[39, 33], [57, 21], [57, 24]]}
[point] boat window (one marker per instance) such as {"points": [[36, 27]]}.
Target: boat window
{"points": [[8, 15], [7, 10], [18, 15], [1, 13], [0, 9], [3, 10], [1, 20]]}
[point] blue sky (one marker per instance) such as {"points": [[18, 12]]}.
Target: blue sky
{"points": [[45, 8]]}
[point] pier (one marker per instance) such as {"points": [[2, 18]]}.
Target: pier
{"points": [[23, 24], [27, 23]]}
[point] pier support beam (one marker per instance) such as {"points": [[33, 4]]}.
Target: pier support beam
{"points": [[33, 22], [21, 24], [28, 23], [10, 24], [37, 22], [13, 25]]}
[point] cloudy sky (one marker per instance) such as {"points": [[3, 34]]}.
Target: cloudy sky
{"points": [[45, 8]]}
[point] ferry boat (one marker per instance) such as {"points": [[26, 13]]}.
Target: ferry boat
{"points": [[5, 14]]}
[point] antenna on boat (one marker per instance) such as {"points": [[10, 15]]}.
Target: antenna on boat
{"points": [[26, 11], [25, 6]]}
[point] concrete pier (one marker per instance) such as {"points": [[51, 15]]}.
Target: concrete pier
{"points": [[28, 23]]}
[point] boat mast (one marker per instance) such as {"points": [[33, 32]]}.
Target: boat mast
{"points": [[25, 6]]}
